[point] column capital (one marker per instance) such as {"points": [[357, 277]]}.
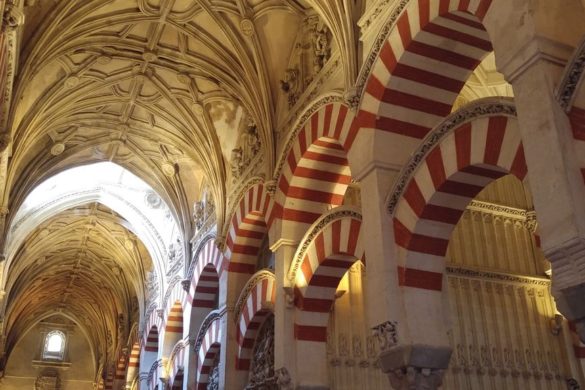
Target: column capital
{"points": [[283, 242], [536, 50], [415, 366]]}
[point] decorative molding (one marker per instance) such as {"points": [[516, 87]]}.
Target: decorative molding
{"points": [[387, 335], [498, 209], [251, 284], [477, 109], [382, 37], [496, 276], [314, 230], [572, 78]]}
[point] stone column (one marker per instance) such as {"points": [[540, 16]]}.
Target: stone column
{"points": [[284, 315], [554, 173], [409, 352]]}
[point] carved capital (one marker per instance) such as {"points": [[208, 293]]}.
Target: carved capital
{"points": [[283, 380], [415, 366], [416, 378], [186, 283], [160, 313], [270, 187], [386, 334]]}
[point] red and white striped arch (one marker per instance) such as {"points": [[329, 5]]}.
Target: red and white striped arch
{"points": [[109, 382], [451, 174], [151, 336], [257, 305], [205, 282], [330, 252], [316, 171], [120, 375], [151, 343], [249, 225], [176, 367], [422, 66], [133, 363], [210, 347]]}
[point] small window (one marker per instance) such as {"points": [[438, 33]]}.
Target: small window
{"points": [[54, 345]]}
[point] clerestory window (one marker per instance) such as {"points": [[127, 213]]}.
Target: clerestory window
{"points": [[54, 345]]}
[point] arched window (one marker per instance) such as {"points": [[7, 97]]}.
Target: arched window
{"points": [[54, 345]]}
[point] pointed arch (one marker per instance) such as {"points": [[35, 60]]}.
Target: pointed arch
{"points": [[256, 302], [422, 65], [330, 247]]}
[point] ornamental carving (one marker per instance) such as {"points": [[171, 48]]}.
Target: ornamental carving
{"points": [[387, 335], [262, 375], [213, 381], [572, 79], [283, 379], [48, 380], [175, 257], [416, 378], [247, 148]]}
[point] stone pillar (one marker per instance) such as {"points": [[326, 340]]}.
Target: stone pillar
{"points": [[231, 378], [554, 173], [413, 354], [284, 315], [190, 369]]}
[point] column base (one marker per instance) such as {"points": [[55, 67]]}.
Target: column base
{"points": [[415, 366]]}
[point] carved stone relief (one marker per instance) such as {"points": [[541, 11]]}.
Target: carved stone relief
{"points": [[262, 375], [247, 148], [311, 52], [48, 380]]}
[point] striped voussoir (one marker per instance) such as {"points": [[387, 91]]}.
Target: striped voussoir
{"points": [[176, 368], [423, 65], [205, 283], [120, 376], [151, 337], [327, 258], [151, 342], [174, 320], [258, 305], [464, 162], [133, 363], [109, 382], [210, 347], [250, 222], [316, 172]]}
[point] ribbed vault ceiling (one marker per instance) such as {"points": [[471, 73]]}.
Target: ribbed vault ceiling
{"points": [[85, 263]]}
